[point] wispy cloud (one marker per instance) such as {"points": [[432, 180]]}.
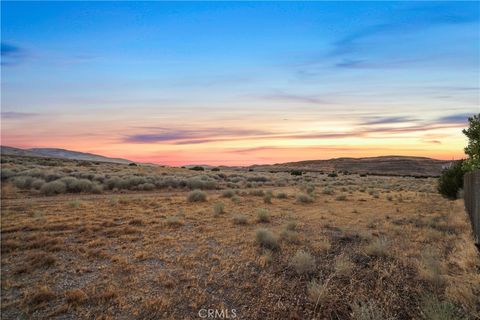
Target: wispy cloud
{"points": [[12, 54], [374, 127], [461, 119], [302, 98], [17, 115], [187, 136], [388, 120], [410, 19]]}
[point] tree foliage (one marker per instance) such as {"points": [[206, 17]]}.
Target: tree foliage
{"points": [[451, 180], [473, 147]]}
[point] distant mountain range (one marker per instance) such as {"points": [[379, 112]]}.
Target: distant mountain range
{"points": [[384, 165], [60, 153]]}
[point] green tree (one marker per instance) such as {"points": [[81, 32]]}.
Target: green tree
{"points": [[451, 180], [473, 147]]}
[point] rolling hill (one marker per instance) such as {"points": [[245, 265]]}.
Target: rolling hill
{"points": [[384, 165], [60, 153]]}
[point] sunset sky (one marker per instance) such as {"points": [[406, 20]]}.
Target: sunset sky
{"points": [[238, 83]]}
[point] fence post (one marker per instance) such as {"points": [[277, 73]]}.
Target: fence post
{"points": [[471, 187]]}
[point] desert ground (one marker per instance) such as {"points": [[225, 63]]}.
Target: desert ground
{"points": [[85, 240]]}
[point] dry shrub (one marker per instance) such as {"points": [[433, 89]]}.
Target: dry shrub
{"points": [[433, 308], [53, 188], [282, 195], [266, 239], [317, 292], [343, 265], [303, 262], [431, 267], [218, 208], [196, 196], [304, 198], [228, 193], [262, 215], [368, 310], [38, 297], [174, 221], [76, 296], [378, 247], [240, 219]]}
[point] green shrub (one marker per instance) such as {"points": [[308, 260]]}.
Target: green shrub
{"points": [[296, 172], [197, 168], [6, 174], [80, 185], [203, 183], [23, 182], [37, 184], [451, 180], [53, 187], [196, 196]]}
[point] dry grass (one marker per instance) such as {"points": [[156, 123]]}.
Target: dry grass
{"points": [[140, 254], [303, 262]]}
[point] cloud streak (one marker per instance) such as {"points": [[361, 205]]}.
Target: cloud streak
{"points": [[368, 128], [17, 115], [11, 54]]}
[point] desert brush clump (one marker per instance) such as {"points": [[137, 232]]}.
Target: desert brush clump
{"points": [[368, 310], [53, 188], [240, 219], [196, 196], [378, 247], [432, 308], [218, 208], [317, 292], [281, 195], [303, 198], [228, 193], [262, 215], [303, 262], [267, 198], [266, 239], [343, 265]]}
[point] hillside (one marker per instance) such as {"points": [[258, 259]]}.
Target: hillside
{"points": [[11, 151], [60, 153], [384, 165]]}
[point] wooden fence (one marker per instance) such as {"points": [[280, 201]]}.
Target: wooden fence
{"points": [[471, 188]]}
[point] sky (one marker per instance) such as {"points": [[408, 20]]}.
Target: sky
{"points": [[238, 83]]}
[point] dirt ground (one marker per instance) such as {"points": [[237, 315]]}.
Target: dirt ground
{"points": [[352, 248]]}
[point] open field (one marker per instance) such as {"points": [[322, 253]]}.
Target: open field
{"points": [[126, 242]]}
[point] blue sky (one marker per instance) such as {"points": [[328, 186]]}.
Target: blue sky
{"points": [[206, 80]]}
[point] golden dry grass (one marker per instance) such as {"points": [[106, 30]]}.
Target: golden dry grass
{"points": [[156, 255]]}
